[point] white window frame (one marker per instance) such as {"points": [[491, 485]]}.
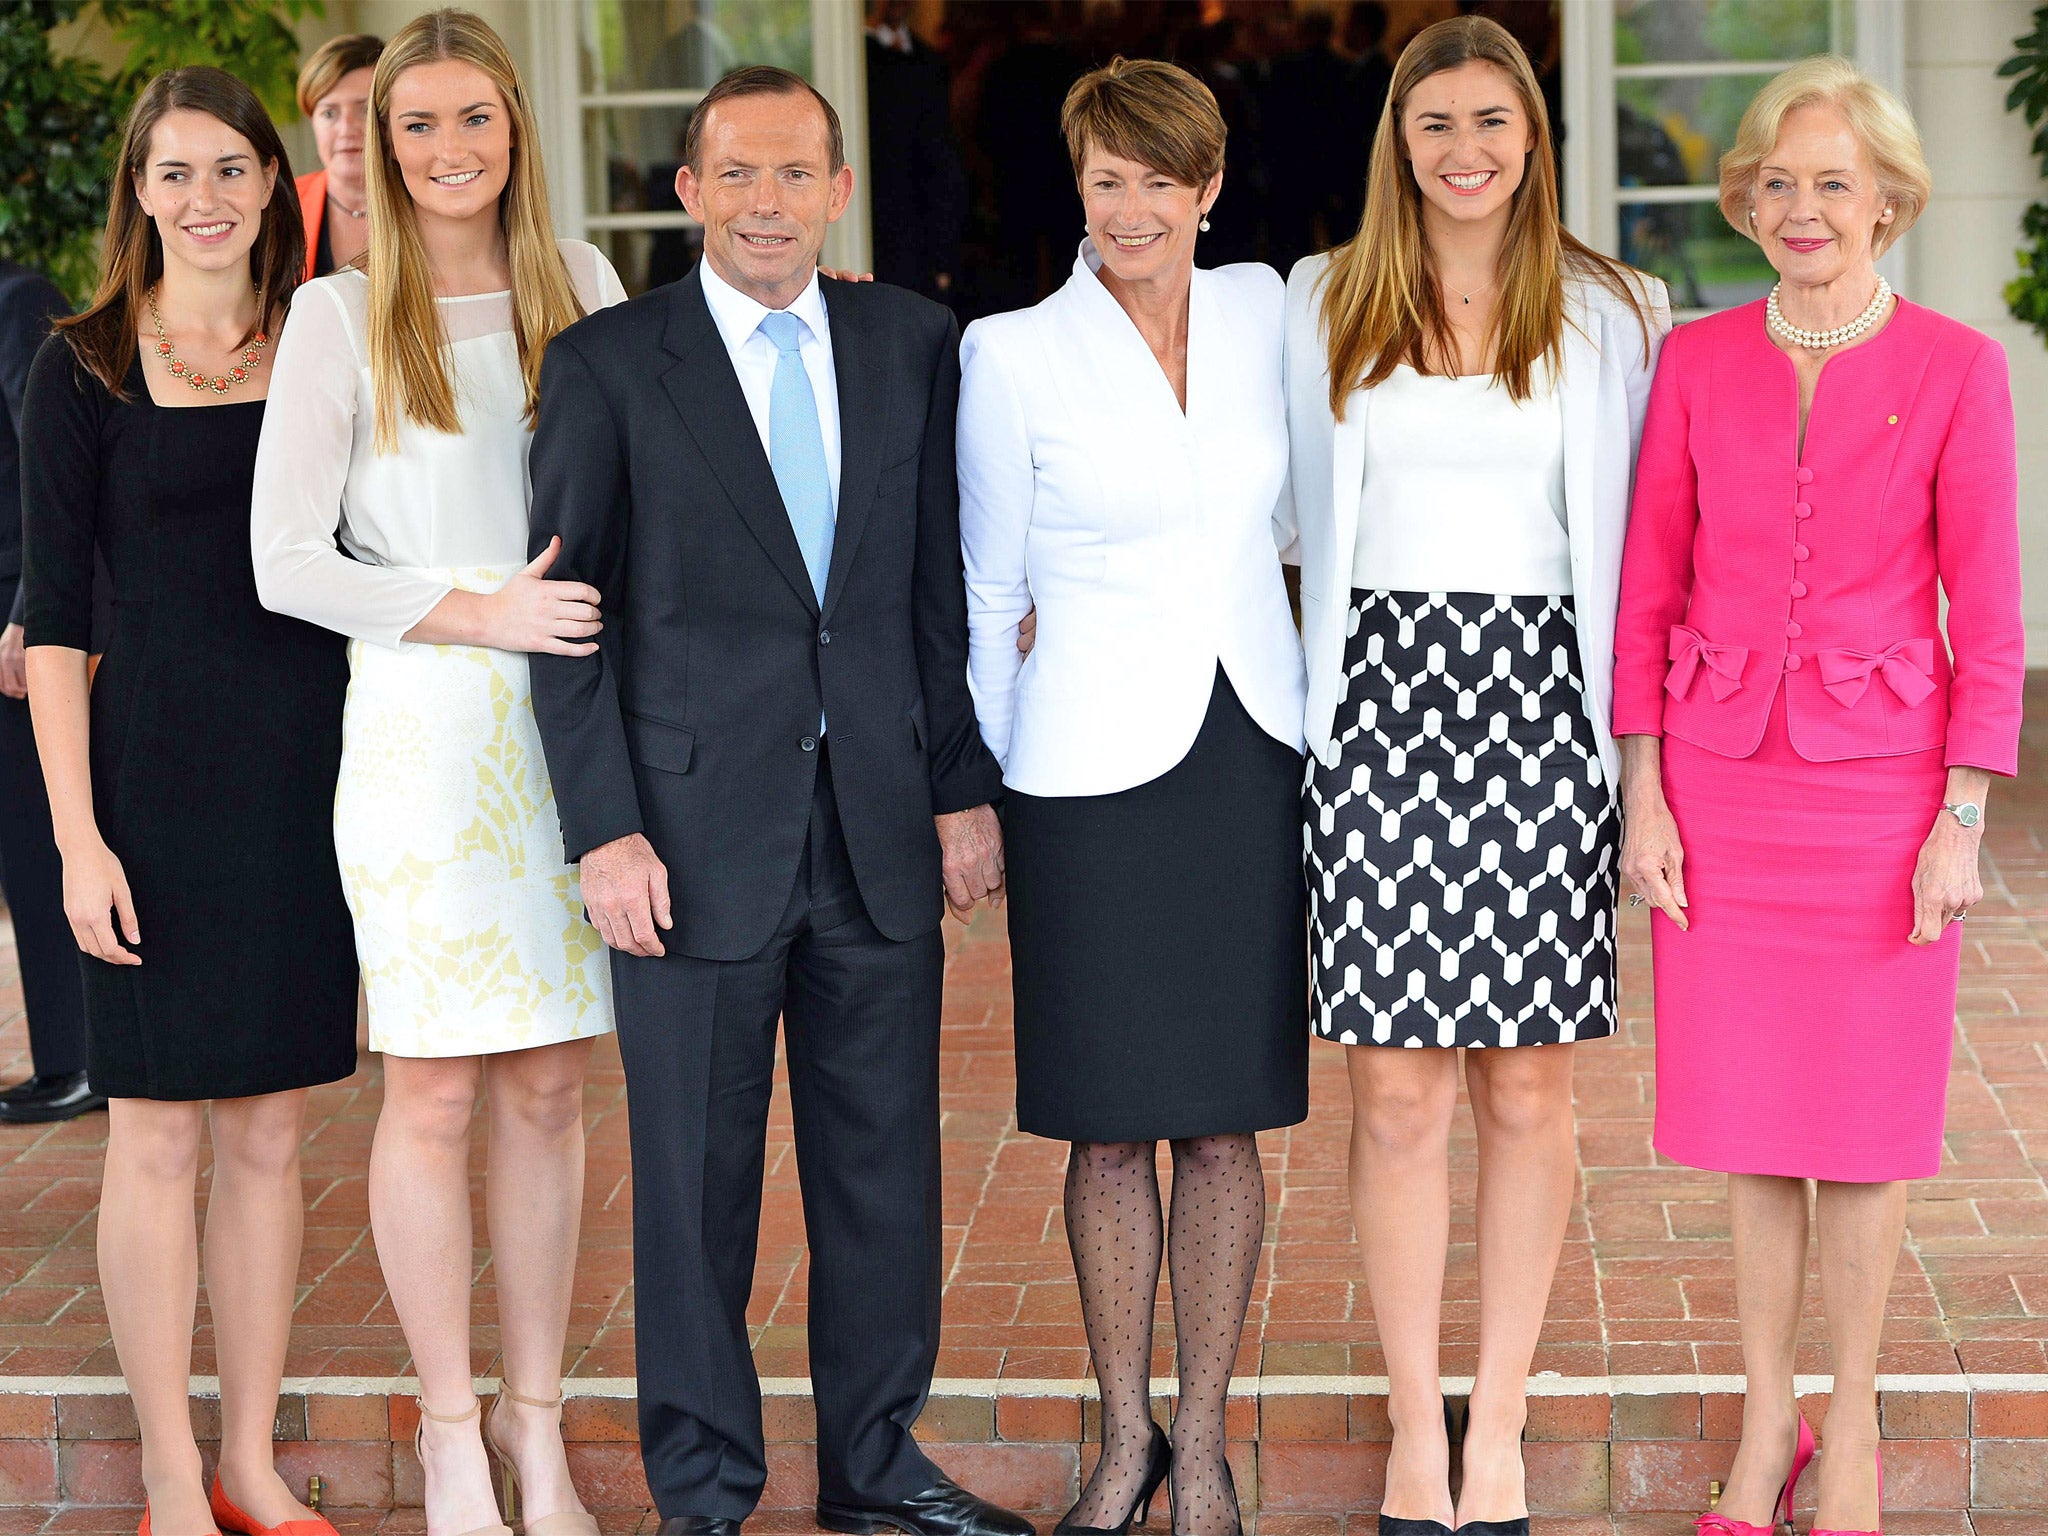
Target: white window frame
{"points": [[1593, 194], [838, 69]]}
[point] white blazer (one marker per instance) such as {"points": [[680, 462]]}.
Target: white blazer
{"points": [[1147, 539], [1604, 391]]}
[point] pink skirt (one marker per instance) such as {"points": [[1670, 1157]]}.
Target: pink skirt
{"points": [[1798, 1033]]}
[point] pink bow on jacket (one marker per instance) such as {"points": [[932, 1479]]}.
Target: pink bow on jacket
{"points": [[1689, 648], [1907, 669]]}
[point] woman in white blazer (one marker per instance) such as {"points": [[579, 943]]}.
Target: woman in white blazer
{"points": [[1460, 500], [1122, 451]]}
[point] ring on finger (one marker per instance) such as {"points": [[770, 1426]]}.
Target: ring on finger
{"points": [[1635, 898]]}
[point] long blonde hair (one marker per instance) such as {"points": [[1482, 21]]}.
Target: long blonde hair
{"points": [[408, 356], [1380, 303]]}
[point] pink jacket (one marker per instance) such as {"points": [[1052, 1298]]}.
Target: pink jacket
{"points": [[1749, 565]]}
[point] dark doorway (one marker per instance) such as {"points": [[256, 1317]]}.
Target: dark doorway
{"points": [[1300, 82]]}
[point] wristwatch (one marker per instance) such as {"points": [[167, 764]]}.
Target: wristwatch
{"points": [[1966, 813]]}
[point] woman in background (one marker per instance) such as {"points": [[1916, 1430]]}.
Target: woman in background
{"points": [[400, 423], [1465, 388], [190, 781], [1805, 767], [334, 93]]}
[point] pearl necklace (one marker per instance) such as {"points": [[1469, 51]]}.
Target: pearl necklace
{"points": [[1821, 341], [180, 369]]}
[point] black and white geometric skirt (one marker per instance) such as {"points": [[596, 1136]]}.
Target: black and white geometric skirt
{"points": [[1462, 851]]}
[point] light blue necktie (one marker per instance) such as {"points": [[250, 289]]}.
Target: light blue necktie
{"points": [[796, 449]]}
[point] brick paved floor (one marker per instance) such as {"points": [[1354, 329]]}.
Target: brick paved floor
{"points": [[1644, 1288]]}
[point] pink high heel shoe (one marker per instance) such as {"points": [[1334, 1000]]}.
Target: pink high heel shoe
{"points": [[1712, 1524], [1821, 1530]]}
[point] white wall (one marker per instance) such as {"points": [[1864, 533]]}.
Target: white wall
{"points": [[1961, 254]]}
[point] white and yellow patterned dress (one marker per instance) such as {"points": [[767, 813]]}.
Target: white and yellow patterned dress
{"points": [[469, 923]]}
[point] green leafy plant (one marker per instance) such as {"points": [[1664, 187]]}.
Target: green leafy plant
{"points": [[2027, 295], [57, 122], [60, 115]]}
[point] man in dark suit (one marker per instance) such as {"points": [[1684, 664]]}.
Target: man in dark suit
{"points": [[771, 775], [918, 195], [52, 990]]}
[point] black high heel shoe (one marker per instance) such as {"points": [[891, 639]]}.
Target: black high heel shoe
{"points": [[1230, 1478], [1158, 1462], [1409, 1525]]}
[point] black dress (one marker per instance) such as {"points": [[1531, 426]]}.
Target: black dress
{"points": [[215, 741], [1158, 942]]}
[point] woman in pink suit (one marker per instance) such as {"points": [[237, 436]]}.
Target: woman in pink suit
{"points": [[1805, 760]]}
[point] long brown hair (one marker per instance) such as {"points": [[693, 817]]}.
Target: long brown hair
{"points": [[408, 358], [103, 335], [1381, 306]]}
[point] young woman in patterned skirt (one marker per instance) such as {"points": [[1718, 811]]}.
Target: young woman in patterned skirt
{"points": [[399, 425], [1466, 386]]}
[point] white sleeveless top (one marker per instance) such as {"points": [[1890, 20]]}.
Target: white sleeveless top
{"points": [[1463, 490]]}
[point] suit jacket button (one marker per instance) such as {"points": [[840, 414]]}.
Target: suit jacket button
{"points": [[1801, 552], [1792, 630], [809, 743], [1805, 477], [824, 637], [1792, 663]]}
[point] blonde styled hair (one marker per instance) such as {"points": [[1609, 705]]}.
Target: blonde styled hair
{"points": [[408, 353], [333, 59], [1381, 306], [1149, 111], [1879, 120]]}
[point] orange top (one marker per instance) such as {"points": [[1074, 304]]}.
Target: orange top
{"points": [[312, 208]]}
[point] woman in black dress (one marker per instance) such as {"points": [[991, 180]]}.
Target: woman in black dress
{"points": [[191, 781]]}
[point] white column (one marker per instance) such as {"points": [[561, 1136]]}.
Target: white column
{"points": [[1587, 59], [839, 69]]}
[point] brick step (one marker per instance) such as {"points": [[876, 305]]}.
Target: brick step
{"points": [[1305, 1450]]}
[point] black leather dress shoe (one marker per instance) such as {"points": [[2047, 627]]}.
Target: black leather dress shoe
{"points": [[946, 1509], [47, 1100], [1408, 1525], [699, 1525], [1519, 1526]]}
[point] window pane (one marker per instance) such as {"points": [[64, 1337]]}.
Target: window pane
{"points": [[630, 156], [645, 45], [648, 258], [1705, 263], [1673, 132], [1695, 31]]}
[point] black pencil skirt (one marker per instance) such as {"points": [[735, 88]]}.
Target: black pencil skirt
{"points": [[1159, 946]]}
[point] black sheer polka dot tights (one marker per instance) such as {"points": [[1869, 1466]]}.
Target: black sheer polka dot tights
{"points": [[1217, 1222]]}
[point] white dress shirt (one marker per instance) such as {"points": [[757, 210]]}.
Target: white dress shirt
{"points": [[1143, 534], [738, 319], [1464, 488]]}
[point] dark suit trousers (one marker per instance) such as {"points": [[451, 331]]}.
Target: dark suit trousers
{"points": [[52, 990], [698, 1039]]}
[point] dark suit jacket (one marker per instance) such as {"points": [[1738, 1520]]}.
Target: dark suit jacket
{"points": [[917, 186], [691, 723], [28, 303]]}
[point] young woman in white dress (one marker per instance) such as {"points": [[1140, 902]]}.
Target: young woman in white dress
{"points": [[399, 421]]}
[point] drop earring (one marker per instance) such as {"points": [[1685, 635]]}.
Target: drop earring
{"points": [[1204, 225]]}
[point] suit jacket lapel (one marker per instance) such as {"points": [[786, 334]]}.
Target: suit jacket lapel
{"points": [[706, 393], [863, 417], [1579, 385]]}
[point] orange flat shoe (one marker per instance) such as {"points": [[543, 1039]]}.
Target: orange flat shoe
{"points": [[234, 1522]]}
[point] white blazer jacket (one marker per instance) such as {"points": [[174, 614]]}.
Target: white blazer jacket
{"points": [[1605, 389], [1147, 539]]}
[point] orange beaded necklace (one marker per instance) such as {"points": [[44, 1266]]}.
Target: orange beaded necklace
{"points": [[180, 369]]}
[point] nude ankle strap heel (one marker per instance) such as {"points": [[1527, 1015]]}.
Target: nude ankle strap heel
{"points": [[566, 1522], [419, 1446]]}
